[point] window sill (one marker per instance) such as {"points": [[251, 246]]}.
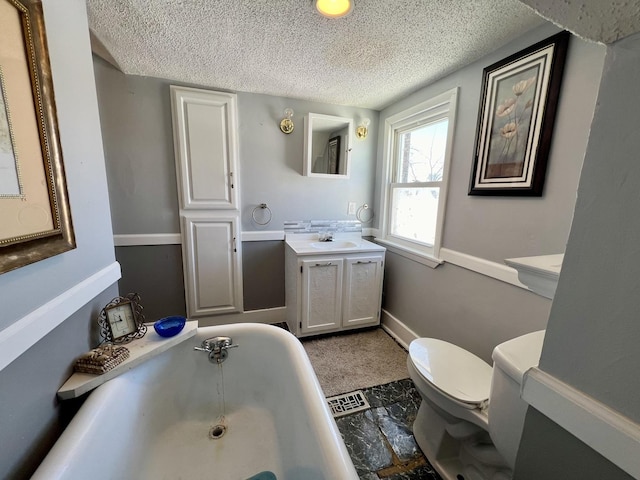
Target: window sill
{"points": [[411, 254]]}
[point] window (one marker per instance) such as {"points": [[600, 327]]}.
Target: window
{"points": [[417, 157]]}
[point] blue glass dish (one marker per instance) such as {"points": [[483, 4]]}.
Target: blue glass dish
{"points": [[169, 326]]}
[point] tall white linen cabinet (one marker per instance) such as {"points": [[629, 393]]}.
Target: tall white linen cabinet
{"points": [[205, 137]]}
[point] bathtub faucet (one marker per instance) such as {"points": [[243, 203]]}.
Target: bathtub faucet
{"points": [[217, 348]]}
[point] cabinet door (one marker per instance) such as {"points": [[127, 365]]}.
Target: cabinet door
{"points": [[321, 295], [206, 146], [211, 252], [362, 292]]}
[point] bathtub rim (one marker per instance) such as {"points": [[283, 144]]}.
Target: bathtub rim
{"points": [[334, 452]]}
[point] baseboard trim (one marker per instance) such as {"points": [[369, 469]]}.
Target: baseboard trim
{"points": [[612, 435], [266, 315], [398, 330], [24, 333]]}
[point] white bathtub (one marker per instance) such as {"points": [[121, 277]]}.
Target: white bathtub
{"points": [[153, 422]]}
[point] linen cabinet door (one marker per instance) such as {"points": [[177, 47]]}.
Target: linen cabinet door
{"points": [[211, 257], [206, 148], [362, 291], [321, 295]]}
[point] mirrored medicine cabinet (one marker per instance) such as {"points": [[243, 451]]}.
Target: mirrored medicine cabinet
{"points": [[327, 145]]}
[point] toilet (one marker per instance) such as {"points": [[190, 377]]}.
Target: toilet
{"points": [[471, 416]]}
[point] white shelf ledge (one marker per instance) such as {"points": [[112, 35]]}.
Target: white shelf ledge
{"points": [[140, 351], [539, 273]]}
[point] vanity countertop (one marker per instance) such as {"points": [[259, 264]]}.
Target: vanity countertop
{"points": [[309, 244]]}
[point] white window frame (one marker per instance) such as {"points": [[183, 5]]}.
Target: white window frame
{"points": [[437, 108]]}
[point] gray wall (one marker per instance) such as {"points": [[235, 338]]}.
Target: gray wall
{"points": [[271, 164], [135, 115], [549, 451], [263, 266], [30, 416], [461, 306], [595, 310], [155, 272], [136, 124], [495, 228]]}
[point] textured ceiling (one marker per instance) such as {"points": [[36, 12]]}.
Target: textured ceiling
{"points": [[379, 53], [596, 20]]}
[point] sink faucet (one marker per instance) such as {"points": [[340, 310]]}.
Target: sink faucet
{"points": [[325, 237]]}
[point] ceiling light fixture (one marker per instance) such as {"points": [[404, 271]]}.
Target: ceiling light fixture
{"points": [[334, 8]]}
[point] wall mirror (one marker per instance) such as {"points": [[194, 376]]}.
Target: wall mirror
{"points": [[327, 145]]}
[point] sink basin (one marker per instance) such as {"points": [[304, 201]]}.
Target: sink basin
{"points": [[333, 245]]}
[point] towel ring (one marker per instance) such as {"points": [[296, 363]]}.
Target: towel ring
{"points": [[262, 206], [364, 208]]}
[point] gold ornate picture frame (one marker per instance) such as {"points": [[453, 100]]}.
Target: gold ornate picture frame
{"points": [[35, 217]]}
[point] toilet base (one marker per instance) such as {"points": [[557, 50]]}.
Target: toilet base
{"points": [[457, 449]]}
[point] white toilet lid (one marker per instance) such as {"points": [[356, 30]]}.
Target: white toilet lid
{"points": [[458, 373]]}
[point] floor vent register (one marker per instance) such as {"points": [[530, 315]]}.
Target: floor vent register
{"points": [[347, 403]]}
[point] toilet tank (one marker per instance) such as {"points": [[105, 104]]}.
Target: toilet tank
{"points": [[507, 410]]}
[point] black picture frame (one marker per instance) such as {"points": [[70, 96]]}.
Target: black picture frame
{"points": [[334, 155], [517, 111]]}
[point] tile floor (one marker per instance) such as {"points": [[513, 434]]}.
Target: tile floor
{"points": [[380, 440]]}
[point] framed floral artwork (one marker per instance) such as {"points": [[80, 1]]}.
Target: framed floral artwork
{"points": [[515, 121]]}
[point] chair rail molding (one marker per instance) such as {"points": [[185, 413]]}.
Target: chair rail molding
{"points": [[150, 239], [146, 239], [24, 333], [611, 434]]}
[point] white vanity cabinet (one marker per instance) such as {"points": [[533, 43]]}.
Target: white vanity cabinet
{"points": [[320, 295], [362, 290], [333, 291]]}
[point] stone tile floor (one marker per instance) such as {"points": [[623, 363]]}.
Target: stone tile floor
{"points": [[380, 440]]}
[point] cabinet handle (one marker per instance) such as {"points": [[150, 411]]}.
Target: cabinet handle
{"points": [[231, 178], [370, 261], [328, 264], [234, 245]]}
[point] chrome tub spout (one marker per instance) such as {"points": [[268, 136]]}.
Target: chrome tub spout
{"points": [[217, 348]]}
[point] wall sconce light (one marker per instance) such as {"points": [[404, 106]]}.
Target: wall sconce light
{"points": [[363, 129], [334, 8], [286, 125]]}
